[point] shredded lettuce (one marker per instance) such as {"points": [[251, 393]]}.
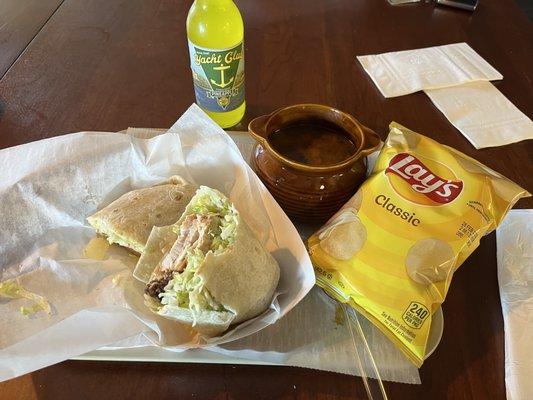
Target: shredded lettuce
{"points": [[224, 237], [13, 290], [187, 290], [207, 201], [181, 285]]}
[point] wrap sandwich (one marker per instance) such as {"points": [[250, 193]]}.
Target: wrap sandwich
{"points": [[207, 270], [129, 220]]}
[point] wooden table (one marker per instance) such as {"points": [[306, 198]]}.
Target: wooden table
{"points": [[71, 65]]}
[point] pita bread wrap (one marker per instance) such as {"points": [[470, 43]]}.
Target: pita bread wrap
{"points": [[129, 220], [208, 270]]}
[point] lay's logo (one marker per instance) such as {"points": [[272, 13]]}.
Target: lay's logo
{"points": [[423, 180]]}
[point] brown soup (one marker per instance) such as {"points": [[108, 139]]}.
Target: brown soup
{"points": [[316, 143]]}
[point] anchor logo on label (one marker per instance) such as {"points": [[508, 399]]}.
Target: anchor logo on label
{"points": [[222, 84]]}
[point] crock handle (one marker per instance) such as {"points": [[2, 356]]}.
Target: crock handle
{"points": [[257, 128], [371, 141]]}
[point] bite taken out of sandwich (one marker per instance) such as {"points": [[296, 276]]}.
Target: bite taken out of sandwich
{"points": [[208, 270]]}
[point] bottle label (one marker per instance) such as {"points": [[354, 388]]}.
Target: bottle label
{"points": [[218, 77]]}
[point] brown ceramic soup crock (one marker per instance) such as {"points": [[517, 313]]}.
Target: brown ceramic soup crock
{"points": [[311, 192]]}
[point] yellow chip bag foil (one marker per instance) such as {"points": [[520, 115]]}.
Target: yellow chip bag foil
{"points": [[391, 251]]}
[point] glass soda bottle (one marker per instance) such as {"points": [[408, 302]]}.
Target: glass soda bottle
{"points": [[215, 32]]}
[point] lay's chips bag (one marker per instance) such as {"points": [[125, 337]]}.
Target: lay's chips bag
{"points": [[391, 251]]}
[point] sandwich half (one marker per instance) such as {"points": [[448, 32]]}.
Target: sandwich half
{"points": [[207, 270], [129, 220]]}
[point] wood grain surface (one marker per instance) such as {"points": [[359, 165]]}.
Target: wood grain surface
{"points": [[20, 22], [109, 64]]}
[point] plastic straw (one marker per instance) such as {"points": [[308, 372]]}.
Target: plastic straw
{"points": [[374, 387]]}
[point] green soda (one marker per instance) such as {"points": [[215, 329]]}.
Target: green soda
{"points": [[215, 32]]}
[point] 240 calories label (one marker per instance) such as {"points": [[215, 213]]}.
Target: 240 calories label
{"points": [[218, 77], [415, 315]]}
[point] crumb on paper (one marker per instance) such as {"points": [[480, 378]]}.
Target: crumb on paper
{"points": [[27, 311], [96, 249], [116, 280], [339, 315], [90, 198], [11, 289]]}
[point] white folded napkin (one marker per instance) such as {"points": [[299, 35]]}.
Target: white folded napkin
{"points": [[403, 72], [483, 114], [515, 276]]}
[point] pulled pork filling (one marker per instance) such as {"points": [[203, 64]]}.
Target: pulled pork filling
{"points": [[209, 227], [195, 234]]}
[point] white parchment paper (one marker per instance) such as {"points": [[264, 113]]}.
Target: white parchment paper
{"points": [[515, 277], [49, 187]]}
